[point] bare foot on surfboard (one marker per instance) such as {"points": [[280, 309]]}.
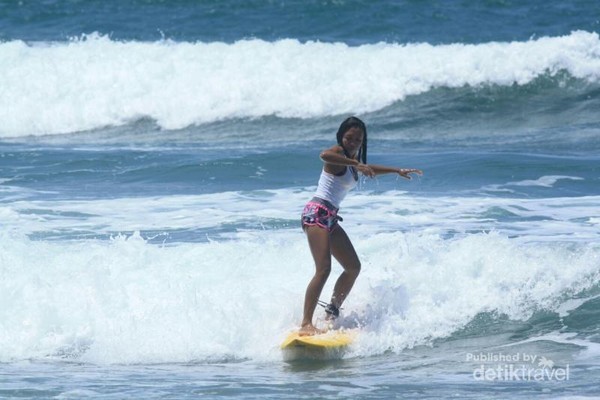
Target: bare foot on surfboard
{"points": [[310, 330]]}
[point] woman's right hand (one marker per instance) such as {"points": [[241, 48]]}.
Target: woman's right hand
{"points": [[366, 170]]}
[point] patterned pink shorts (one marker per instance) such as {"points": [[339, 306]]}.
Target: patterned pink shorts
{"points": [[321, 213]]}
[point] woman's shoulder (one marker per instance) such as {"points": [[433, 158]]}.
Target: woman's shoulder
{"points": [[334, 169]]}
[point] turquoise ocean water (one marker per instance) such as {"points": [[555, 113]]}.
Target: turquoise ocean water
{"points": [[155, 157]]}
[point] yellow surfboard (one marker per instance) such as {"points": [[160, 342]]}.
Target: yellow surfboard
{"points": [[328, 345]]}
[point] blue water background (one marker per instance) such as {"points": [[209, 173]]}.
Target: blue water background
{"points": [[479, 142], [351, 22]]}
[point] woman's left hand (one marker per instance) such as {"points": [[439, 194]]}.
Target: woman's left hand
{"points": [[405, 172]]}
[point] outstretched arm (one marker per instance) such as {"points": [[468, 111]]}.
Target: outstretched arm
{"points": [[335, 161], [403, 172]]}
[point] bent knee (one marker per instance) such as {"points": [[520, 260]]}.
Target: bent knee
{"points": [[323, 270], [354, 268]]}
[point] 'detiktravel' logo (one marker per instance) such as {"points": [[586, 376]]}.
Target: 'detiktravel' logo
{"points": [[516, 367]]}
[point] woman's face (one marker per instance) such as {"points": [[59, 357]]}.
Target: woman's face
{"points": [[353, 140]]}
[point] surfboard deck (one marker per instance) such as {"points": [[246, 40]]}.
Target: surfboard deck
{"points": [[329, 345]]}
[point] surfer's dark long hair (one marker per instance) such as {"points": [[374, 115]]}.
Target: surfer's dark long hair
{"points": [[353, 122]]}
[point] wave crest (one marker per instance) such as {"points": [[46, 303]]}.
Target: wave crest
{"points": [[93, 82]]}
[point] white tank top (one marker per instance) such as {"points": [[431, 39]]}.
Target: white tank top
{"points": [[334, 188]]}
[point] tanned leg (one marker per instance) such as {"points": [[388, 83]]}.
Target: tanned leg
{"points": [[343, 251], [319, 243]]}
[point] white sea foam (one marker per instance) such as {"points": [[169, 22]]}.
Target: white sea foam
{"points": [[127, 301], [547, 219], [590, 349], [51, 88], [568, 306], [544, 181]]}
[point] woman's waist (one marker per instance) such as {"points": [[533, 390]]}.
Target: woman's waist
{"points": [[324, 202]]}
